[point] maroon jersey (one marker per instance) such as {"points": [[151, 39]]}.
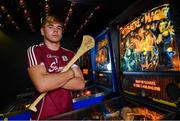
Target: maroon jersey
{"points": [[59, 100]]}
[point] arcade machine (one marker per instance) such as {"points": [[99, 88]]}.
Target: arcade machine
{"points": [[103, 61], [80, 97], [149, 61], [149, 57], [98, 69]]}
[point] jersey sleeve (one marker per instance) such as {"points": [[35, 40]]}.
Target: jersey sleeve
{"points": [[34, 56]]}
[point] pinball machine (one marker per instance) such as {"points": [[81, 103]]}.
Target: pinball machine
{"points": [[149, 57], [148, 70], [98, 69], [119, 108]]}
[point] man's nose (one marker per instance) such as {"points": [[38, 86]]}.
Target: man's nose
{"points": [[55, 29]]}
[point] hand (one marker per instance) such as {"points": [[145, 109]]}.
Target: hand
{"points": [[77, 71]]}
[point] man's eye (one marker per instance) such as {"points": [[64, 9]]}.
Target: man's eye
{"points": [[60, 28], [49, 26]]}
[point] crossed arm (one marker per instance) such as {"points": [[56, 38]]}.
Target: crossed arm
{"points": [[44, 81]]}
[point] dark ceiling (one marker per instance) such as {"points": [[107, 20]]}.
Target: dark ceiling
{"points": [[84, 16]]}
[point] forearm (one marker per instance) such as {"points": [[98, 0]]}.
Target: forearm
{"points": [[55, 80], [74, 84], [45, 81], [77, 82]]}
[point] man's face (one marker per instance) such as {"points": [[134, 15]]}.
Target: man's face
{"points": [[52, 32]]}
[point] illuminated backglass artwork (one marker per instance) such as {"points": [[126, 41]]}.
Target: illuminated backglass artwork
{"points": [[148, 42], [102, 55], [102, 60]]}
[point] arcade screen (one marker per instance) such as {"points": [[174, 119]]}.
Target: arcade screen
{"points": [[102, 59], [148, 47], [148, 42]]}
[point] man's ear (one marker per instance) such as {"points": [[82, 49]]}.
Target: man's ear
{"points": [[42, 31]]}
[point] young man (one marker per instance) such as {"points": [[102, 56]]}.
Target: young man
{"points": [[46, 62]]}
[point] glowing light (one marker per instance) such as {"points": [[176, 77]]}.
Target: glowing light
{"points": [[146, 84], [85, 71], [109, 66]]}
